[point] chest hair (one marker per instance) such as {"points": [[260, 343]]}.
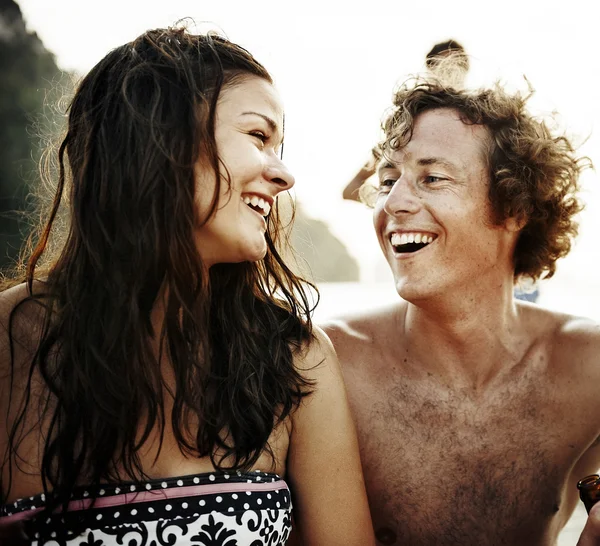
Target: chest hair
{"points": [[447, 467]]}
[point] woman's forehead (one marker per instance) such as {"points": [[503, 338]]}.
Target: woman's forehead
{"points": [[251, 94]]}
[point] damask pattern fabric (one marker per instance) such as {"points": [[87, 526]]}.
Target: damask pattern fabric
{"points": [[213, 509]]}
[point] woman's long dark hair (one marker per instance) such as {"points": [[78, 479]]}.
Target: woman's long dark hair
{"points": [[138, 124]]}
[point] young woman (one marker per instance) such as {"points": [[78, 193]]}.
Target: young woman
{"points": [[161, 381]]}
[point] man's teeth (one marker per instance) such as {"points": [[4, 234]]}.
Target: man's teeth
{"points": [[398, 239], [257, 203]]}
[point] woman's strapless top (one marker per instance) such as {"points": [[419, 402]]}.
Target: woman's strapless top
{"points": [[211, 509]]}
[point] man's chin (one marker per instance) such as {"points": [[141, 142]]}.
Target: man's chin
{"points": [[411, 291]]}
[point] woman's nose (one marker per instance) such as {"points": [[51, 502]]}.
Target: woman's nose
{"points": [[277, 173]]}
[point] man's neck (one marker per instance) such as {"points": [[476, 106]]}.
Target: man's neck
{"points": [[469, 336]]}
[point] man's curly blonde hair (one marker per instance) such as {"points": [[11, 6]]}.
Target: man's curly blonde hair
{"points": [[534, 174]]}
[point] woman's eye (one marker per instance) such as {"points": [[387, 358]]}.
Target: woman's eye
{"points": [[260, 136]]}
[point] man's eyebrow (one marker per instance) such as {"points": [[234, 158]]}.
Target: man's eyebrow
{"points": [[422, 162], [269, 121], [385, 165], [425, 161]]}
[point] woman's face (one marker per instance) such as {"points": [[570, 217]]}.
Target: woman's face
{"points": [[248, 134]]}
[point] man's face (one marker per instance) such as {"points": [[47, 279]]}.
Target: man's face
{"points": [[433, 217]]}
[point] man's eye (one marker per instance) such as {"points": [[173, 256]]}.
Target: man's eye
{"points": [[386, 185], [432, 179]]}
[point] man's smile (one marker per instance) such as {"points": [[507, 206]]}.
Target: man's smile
{"points": [[409, 242]]}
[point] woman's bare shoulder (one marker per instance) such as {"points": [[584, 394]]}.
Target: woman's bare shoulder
{"points": [[22, 314], [316, 354]]}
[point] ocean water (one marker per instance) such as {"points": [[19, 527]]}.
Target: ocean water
{"points": [[566, 293]]}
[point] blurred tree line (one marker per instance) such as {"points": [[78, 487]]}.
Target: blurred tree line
{"points": [[30, 87], [29, 73], [324, 258]]}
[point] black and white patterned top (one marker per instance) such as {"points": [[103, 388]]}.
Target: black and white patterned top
{"points": [[211, 509]]}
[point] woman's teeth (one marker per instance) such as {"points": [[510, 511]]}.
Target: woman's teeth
{"points": [[257, 204]]}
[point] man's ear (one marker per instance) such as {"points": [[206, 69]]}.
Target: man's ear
{"points": [[514, 224]]}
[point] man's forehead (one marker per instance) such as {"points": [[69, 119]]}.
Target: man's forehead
{"points": [[447, 124], [442, 133], [438, 158]]}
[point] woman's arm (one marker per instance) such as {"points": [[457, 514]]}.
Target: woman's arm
{"points": [[323, 465], [18, 343]]}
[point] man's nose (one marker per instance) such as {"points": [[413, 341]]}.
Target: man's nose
{"points": [[402, 198]]}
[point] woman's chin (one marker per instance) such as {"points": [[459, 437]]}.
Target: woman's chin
{"points": [[258, 256], [255, 252]]}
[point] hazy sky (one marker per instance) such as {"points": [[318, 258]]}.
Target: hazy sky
{"points": [[336, 66]]}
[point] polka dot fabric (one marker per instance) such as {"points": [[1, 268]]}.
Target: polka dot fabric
{"points": [[213, 509]]}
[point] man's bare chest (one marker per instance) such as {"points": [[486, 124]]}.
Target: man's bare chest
{"points": [[447, 466]]}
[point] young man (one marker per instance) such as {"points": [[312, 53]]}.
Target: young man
{"points": [[477, 414]]}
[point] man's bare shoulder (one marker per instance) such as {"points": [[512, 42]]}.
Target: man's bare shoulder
{"points": [[577, 340], [354, 331], [572, 339]]}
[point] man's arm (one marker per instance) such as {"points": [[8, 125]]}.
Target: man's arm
{"points": [[591, 532], [577, 348]]}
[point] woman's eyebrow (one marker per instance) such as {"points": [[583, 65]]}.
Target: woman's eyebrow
{"points": [[269, 121]]}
